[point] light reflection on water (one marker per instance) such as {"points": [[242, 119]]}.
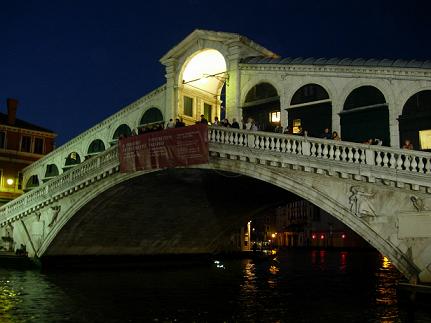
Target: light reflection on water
{"points": [[296, 286]]}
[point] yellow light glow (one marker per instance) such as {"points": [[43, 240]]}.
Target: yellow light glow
{"points": [[425, 139], [386, 262], [9, 181], [274, 116], [273, 235], [205, 71]]}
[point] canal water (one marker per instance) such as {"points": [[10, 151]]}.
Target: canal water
{"points": [[295, 286]]}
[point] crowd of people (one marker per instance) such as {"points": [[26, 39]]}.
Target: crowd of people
{"points": [[252, 125]]}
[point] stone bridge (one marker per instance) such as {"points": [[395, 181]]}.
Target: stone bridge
{"points": [[383, 194], [78, 203]]}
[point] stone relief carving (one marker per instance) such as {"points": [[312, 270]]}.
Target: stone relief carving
{"points": [[54, 210], [418, 203], [360, 202]]}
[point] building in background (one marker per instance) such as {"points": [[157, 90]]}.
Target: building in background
{"points": [[21, 143], [302, 224]]}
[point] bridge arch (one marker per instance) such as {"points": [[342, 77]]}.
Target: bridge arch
{"points": [[262, 104], [121, 130], [365, 115], [309, 100], [51, 171], [415, 120], [151, 115], [32, 182], [95, 147], [274, 176], [200, 82]]}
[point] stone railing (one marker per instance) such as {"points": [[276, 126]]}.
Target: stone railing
{"points": [[67, 148], [401, 162], [79, 176], [403, 166]]}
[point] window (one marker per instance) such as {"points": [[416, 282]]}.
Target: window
{"points": [[425, 139], [25, 144], [38, 146], [2, 139], [20, 180], [274, 116], [208, 111], [188, 106], [296, 125]]}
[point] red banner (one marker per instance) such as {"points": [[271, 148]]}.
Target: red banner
{"points": [[165, 148]]}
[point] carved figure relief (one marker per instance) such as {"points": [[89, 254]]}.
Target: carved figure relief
{"points": [[55, 210], [360, 202], [418, 203]]}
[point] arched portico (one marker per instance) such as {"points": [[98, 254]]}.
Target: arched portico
{"points": [[201, 80]]}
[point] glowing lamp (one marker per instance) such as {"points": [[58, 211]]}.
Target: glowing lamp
{"points": [[313, 237], [343, 236], [322, 237], [9, 181]]}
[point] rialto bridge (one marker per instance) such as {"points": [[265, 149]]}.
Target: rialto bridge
{"points": [[78, 203]]}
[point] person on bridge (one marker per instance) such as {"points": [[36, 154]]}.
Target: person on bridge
{"points": [[235, 124], [203, 119], [326, 134], [335, 136]]}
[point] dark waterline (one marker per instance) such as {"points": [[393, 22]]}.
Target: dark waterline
{"points": [[298, 286]]}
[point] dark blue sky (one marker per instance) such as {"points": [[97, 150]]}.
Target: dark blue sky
{"points": [[73, 63]]}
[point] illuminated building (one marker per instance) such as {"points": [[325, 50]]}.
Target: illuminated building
{"points": [[21, 143]]}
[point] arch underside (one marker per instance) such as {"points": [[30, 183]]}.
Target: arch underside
{"points": [[189, 211]]}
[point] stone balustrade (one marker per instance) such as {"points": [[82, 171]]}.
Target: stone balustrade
{"points": [[391, 165], [405, 166], [81, 175]]}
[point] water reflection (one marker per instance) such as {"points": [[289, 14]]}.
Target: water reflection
{"points": [[297, 286]]}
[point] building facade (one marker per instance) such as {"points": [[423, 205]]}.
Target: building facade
{"points": [[21, 143]]}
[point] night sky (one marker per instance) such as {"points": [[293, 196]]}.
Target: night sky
{"points": [[73, 63]]}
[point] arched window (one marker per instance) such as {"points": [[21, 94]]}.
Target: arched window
{"points": [[51, 171], [365, 116], [262, 105], [72, 159], [32, 182], [310, 109], [95, 147], [152, 115], [122, 130], [309, 93], [261, 91], [415, 121], [364, 96]]}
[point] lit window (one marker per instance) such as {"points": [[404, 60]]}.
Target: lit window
{"points": [[188, 106], [296, 125], [425, 139], [274, 116]]}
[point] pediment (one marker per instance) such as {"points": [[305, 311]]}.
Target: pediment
{"points": [[203, 37]]}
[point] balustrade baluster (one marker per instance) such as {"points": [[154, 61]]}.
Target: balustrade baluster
{"points": [[294, 146], [392, 161], [406, 163], [325, 151], [413, 164], [277, 144], [378, 158], [319, 150], [428, 166], [331, 152], [421, 165], [385, 160], [313, 149], [288, 146], [267, 143]]}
